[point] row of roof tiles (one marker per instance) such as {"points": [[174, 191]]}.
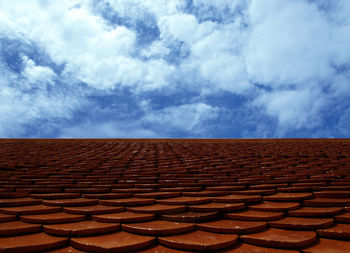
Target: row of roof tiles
{"points": [[173, 196]]}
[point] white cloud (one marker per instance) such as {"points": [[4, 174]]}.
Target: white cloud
{"points": [[221, 5], [288, 44], [294, 108], [292, 49], [295, 49], [139, 9], [92, 51], [111, 129], [183, 27], [25, 98], [188, 117], [37, 74]]}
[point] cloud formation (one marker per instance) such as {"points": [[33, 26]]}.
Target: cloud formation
{"points": [[281, 65]]}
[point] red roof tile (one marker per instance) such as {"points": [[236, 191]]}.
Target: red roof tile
{"points": [[158, 209], [36, 209], [232, 226], [190, 216], [94, 209], [159, 228], [328, 246], [255, 215], [281, 238], [82, 228], [17, 228], [115, 242], [339, 231], [70, 202], [199, 240], [123, 217], [52, 218], [274, 206], [175, 195], [222, 207], [248, 248], [302, 223], [31, 243]]}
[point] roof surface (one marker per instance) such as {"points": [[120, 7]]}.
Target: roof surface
{"points": [[116, 195]]}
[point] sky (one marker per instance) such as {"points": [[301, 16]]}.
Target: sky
{"points": [[174, 69]]}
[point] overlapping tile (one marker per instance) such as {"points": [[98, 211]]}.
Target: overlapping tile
{"points": [[175, 195]]}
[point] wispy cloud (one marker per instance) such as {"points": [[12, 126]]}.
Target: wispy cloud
{"points": [[284, 65]]}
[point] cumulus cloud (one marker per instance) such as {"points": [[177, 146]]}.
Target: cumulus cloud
{"points": [[288, 43], [188, 117], [286, 60], [293, 106], [292, 49], [30, 98], [37, 74], [110, 129], [93, 51]]}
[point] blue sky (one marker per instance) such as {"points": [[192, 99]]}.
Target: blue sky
{"points": [[174, 68]]}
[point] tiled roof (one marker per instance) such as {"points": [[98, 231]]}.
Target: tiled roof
{"points": [[288, 195]]}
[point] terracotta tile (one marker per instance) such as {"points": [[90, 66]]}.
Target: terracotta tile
{"points": [[95, 209], [158, 209], [159, 228], [232, 226], [316, 212], [52, 218], [339, 231], [302, 223], [190, 216], [19, 202], [17, 228], [294, 189], [226, 188], [183, 200], [157, 195], [127, 202], [212, 207], [199, 240], [70, 202], [123, 217], [207, 171], [31, 243], [6, 195], [343, 218], [274, 206], [256, 192], [159, 249], [328, 246], [206, 193], [281, 238], [332, 194], [6, 217], [87, 190], [248, 248], [62, 195], [82, 228], [282, 196], [107, 196], [325, 202], [68, 249], [181, 189], [116, 242], [237, 198], [266, 186], [133, 190], [252, 215], [37, 209]]}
